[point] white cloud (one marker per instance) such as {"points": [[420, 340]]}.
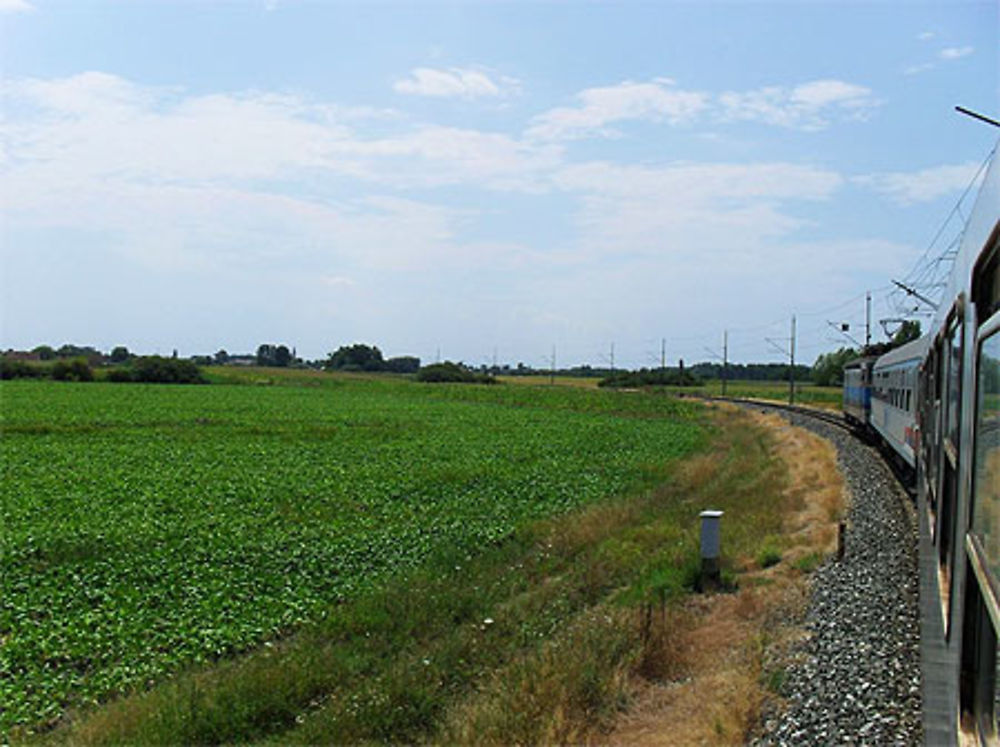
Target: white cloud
{"points": [[96, 126], [809, 106], [916, 69], [454, 82], [684, 210], [908, 188], [657, 101], [436, 156], [925, 36], [954, 53], [15, 6], [212, 181]]}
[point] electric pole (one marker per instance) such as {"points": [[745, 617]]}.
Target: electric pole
{"points": [[791, 370], [725, 359], [790, 352], [868, 320], [552, 376], [612, 357], [663, 356]]}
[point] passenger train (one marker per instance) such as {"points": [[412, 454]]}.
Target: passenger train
{"points": [[935, 403]]}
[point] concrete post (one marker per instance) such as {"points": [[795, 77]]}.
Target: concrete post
{"points": [[710, 544]]}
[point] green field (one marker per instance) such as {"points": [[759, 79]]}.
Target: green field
{"points": [[149, 527]]}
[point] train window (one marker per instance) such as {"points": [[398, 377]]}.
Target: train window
{"points": [[986, 477], [954, 402], [978, 683], [986, 285]]}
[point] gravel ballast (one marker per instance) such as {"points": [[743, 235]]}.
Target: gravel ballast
{"points": [[856, 678]]}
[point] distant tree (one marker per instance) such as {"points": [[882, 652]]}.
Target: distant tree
{"points": [[448, 372], [120, 354], [75, 351], [44, 352], [357, 357], [221, 358], [649, 377], [404, 364], [75, 369], [15, 369], [158, 370], [265, 355], [828, 370], [282, 356], [909, 331]]}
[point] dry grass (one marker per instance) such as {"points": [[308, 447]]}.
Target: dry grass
{"points": [[729, 638]]}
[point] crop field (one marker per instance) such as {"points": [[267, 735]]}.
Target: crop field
{"points": [[150, 527]]}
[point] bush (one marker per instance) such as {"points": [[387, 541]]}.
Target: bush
{"points": [[404, 364], [119, 375], [14, 369], [448, 372], [155, 369], [649, 377], [75, 369]]}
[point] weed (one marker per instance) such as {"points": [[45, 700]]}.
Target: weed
{"points": [[810, 562]]}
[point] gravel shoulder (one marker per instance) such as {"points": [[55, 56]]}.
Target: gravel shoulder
{"points": [[855, 679]]}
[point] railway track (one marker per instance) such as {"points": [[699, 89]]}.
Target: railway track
{"points": [[833, 418], [904, 474]]}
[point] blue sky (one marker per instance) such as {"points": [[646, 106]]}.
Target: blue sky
{"points": [[479, 177]]}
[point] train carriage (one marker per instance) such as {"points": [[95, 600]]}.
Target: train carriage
{"points": [[894, 398], [958, 464]]}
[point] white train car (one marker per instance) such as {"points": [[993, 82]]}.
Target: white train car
{"points": [[894, 381], [958, 477]]}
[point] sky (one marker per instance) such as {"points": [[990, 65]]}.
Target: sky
{"points": [[483, 181]]}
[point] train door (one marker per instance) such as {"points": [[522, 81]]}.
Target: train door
{"points": [[949, 461], [978, 690], [935, 453]]}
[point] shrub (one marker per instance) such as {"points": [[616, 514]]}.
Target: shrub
{"points": [[768, 556], [14, 369], [155, 369], [119, 375], [649, 377], [448, 372], [75, 369]]}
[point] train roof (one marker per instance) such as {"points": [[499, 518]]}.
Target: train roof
{"points": [[913, 350], [982, 222], [860, 361]]}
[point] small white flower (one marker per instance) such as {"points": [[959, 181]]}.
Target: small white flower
{"points": [[488, 621]]}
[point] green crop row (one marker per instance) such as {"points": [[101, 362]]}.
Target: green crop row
{"points": [[146, 528]]}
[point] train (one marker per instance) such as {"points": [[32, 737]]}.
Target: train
{"points": [[935, 404], [880, 401]]}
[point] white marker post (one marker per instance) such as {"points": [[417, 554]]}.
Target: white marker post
{"points": [[710, 544]]}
